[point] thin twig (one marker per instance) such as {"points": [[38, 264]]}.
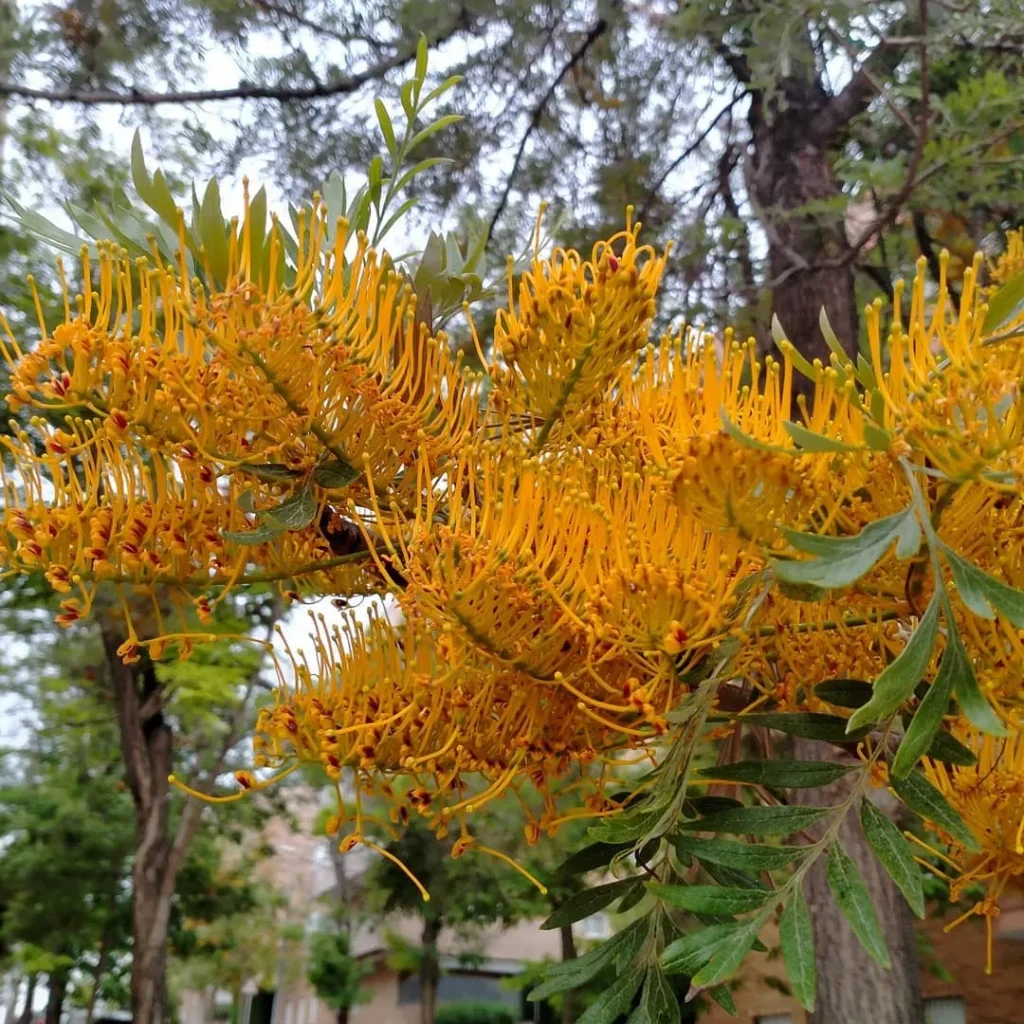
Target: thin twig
{"points": [[686, 154], [851, 52], [316, 27], [595, 32], [911, 180], [244, 91]]}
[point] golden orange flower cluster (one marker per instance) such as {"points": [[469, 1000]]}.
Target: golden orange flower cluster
{"points": [[571, 537]]}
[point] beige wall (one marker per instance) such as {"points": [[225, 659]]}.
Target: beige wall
{"points": [[988, 999]]}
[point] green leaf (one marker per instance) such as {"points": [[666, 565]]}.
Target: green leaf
{"points": [[421, 59], [262, 534], [710, 804], [423, 165], [730, 877], [246, 501], [808, 725], [1005, 306], [726, 960], [614, 1001], [851, 895], [832, 340], [632, 824], [632, 897], [295, 513], [588, 902], [844, 693], [258, 229], [711, 899], [894, 854], [568, 974], [743, 856], [407, 94], [950, 750], [272, 472], [778, 331], [877, 438], [334, 473], [759, 821], [432, 129], [899, 679], [374, 176], [984, 594], [658, 1003], [334, 196], [921, 796], [692, 951], [783, 773], [928, 718], [722, 996], [796, 937], [745, 439], [844, 560], [596, 855], [386, 128], [809, 441], [974, 705], [213, 233], [140, 176], [805, 592]]}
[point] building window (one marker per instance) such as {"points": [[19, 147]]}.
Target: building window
{"points": [[774, 1018], [944, 1011], [455, 986], [597, 926]]}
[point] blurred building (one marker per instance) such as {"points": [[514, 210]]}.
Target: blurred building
{"points": [[953, 979], [305, 872]]}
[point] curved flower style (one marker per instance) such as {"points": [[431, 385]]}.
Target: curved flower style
{"points": [[989, 796]]}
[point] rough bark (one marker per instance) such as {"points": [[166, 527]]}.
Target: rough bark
{"points": [[146, 749], [147, 752], [430, 971], [852, 986], [25, 1017], [58, 986], [793, 166], [568, 953], [12, 982], [791, 169]]}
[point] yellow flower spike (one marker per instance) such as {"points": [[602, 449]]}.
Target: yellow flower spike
{"points": [[571, 325], [989, 797]]}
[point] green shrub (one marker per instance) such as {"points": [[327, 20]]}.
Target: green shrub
{"points": [[469, 1011]]}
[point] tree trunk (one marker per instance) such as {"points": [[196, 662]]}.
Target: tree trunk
{"points": [[792, 171], [30, 994], [430, 971], [793, 135], [568, 953], [58, 986], [342, 1015], [12, 982], [852, 986], [146, 749]]}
